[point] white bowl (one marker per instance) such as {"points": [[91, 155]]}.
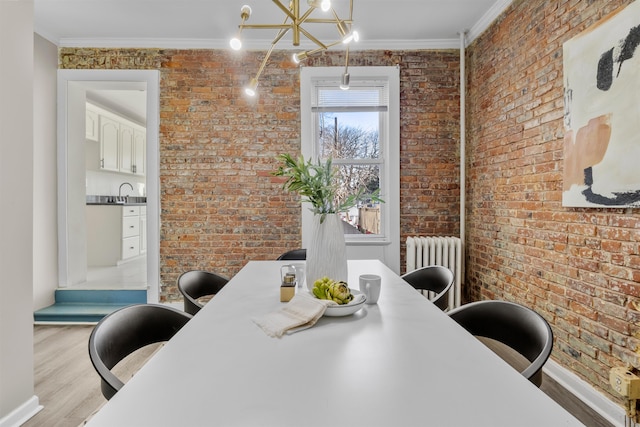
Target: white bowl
{"points": [[346, 309]]}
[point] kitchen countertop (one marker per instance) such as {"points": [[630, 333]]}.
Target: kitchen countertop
{"points": [[117, 200]]}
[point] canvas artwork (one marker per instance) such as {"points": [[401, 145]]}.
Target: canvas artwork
{"points": [[602, 113]]}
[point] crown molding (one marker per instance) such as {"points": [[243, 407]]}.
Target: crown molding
{"points": [[172, 43], [487, 19]]}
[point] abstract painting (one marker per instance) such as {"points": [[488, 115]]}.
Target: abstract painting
{"points": [[602, 113]]}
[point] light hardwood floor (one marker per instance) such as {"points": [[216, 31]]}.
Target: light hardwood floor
{"points": [[65, 381], [69, 388]]}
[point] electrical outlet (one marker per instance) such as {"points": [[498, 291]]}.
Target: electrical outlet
{"points": [[625, 382]]}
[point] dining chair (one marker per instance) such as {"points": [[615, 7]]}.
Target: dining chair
{"points": [[126, 330], [516, 326], [196, 284], [435, 279], [294, 255]]}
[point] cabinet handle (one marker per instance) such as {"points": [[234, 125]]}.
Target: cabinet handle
{"points": [[131, 226], [130, 247], [101, 163]]}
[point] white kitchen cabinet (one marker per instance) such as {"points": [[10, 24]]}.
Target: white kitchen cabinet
{"points": [[130, 226], [122, 142], [143, 229], [126, 148], [92, 124], [113, 234], [139, 151], [109, 144], [130, 231]]}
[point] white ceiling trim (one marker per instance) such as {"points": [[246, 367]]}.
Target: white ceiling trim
{"points": [[487, 19], [170, 43]]}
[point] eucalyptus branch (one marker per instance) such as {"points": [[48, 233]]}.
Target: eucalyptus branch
{"points": [[317, 184]]}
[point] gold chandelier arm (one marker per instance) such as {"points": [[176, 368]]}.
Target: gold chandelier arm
{"points": [[286, 10], [326, 21], [295, 4], [335, 15], [313, 39], [264, 61], [278, 37], [304, 17], [280, 34], [346, 61], [267, 26]]}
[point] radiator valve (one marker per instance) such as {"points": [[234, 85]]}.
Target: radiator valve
{"points": [[625, 382]]}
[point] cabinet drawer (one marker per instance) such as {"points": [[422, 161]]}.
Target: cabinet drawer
{"points": [[130, 247], [130, 210], [130, 226]]}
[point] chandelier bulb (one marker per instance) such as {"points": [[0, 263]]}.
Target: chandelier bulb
{"points": [[351, 37], [252, 87], [245, 12], [299, 57], [324, 5], [347, 35], [344, 83], [235, 43]]}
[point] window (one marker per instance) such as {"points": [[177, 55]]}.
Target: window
{"points": [[359, 129], [347, 127]]}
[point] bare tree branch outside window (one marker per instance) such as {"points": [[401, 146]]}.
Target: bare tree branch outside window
{"points": [[355, 151]]}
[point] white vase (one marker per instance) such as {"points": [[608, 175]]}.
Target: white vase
{"points": [[327, 251]]}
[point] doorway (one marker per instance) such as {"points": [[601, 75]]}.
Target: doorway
{"points": [[74, 88]]}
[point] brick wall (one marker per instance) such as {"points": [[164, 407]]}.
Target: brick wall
{"points": [[220, 206], [579, 268]]}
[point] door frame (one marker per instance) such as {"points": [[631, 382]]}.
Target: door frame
{"points": [[72, 86]]}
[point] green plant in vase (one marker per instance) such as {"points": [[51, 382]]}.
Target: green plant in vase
{"points": [[317, 183]]}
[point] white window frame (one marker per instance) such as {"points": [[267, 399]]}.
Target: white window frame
{"points": [[385, 246]]}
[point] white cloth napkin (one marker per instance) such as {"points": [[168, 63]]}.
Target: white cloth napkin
{"points": [[302, 312]]}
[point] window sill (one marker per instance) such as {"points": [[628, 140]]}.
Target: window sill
{"points": [[371, 241]]}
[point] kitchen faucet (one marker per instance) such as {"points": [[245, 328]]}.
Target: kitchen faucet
{"points": [[120, 189]]}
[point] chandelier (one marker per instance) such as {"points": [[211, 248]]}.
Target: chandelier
{"points": [[294, 20]]}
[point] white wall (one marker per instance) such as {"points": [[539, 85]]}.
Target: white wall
{"points": [[108, 183], [72, 191], [17, 399], [45, 232]]}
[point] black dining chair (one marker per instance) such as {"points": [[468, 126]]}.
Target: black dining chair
{"points": [[294, 255], [435, 279], [196, 284], [516, 326], [126, 330]]}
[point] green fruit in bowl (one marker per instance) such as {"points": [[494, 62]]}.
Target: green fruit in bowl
{"points": [[328, 289]]}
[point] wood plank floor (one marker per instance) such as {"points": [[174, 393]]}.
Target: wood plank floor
{"points": [[69, 388], [65, 381]]}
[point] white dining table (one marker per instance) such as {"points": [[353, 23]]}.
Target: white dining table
{"points": [[400, 362]]}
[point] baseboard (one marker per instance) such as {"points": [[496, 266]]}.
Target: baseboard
{"points": [[22, 413], [609, 410]]}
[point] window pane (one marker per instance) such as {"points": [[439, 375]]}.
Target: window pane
{"points": [[364, 218], [349, 135]]}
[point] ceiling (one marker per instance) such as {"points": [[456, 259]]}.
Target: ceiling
{"points": [[382, 24], [209, 24]]}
